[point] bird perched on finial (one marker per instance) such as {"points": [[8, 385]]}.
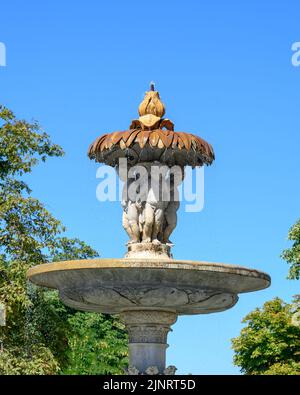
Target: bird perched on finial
{"points": [[152, 86]]}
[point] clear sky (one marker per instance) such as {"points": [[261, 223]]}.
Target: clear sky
{"points": [[224, 71]]}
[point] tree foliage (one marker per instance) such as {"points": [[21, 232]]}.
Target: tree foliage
{"points": [[97, 345], [23, 144], [42, 336], [270, 342], [292, 255]]}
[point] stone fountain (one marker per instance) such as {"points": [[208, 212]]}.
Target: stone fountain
{"points": [[148, 288]]}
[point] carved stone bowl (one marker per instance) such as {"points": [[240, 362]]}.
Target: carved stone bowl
{"points": [[118, 285], [166, 146]]}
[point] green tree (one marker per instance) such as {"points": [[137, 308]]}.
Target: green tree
{"points": [[292, 255], [270, 342], [40, 331], [97, 345]]}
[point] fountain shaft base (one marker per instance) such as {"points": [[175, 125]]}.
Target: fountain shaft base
{"points": [[148, 331]]}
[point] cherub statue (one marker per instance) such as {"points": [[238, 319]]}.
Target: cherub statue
{"points": [[130, 221], [133, 202], [153, 214], [150, 203], [131, 211]]}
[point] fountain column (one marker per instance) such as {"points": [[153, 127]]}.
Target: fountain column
{"points": [[148, 331]]}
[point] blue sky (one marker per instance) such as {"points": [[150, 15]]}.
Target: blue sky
{"points": [[224, 71]]}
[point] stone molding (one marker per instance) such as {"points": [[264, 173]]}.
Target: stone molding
{"points": [[148, 326]]}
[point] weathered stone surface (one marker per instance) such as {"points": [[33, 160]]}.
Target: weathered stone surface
{"points": [[148, 288], [151, 370], [148, 331], [148, 294], [148, 326], [116, 285], [148, 251], [150, 138]]}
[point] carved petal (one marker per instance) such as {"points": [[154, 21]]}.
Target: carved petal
{"points": [[122, 144], [97, 145], [180, 143], [153, 139], [103, 145], [166, 123], [135, 124], [175, 141], [131, 137], [169, 139], [142, 138], [126, 135], [184, 138], [160, 144], [115, 137], [163, 137]]}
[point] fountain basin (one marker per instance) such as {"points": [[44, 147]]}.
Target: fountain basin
{"points": [[116, 285], [148, 294]]}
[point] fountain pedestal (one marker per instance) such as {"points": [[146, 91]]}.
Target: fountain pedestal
{"points": [[148, 331]]}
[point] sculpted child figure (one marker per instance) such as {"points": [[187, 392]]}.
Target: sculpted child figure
{"points": [[131, 210], [150, 203], [134, 196], [155, 204]]}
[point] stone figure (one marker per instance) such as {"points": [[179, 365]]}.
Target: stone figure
{"points": [[130, 221], [131, 212], [133, 202], [153, 216], [155, 205], [150, 202]]}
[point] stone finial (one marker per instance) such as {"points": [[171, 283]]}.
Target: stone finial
{"points": [[151, 110], [152, 104]]}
